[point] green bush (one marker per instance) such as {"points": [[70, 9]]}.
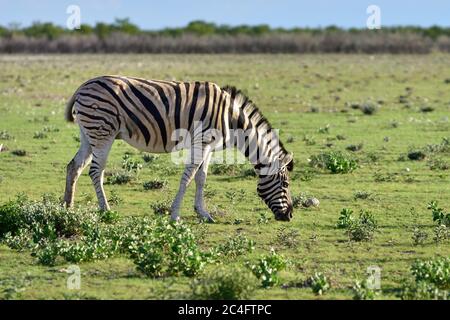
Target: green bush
{"points": [[439, 216], [224, 284], [120, 177], [267, 267], [345, 219], [161, 207], [334, 161], [235, 246], [319, 283], [154, 184], [436, 271], [362, 292], [422, 290], [363, 228]]}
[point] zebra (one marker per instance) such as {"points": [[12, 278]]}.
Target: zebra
{"points": [[146, 114]]}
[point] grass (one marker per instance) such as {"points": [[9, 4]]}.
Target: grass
{"points": [[289, 87]]}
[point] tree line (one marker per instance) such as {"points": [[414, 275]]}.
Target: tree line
{"points": [[205, 37]]}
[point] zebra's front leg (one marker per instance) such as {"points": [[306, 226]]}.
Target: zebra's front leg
{"points": [[198, 157], [200, 179]]}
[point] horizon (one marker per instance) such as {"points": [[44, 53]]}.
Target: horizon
{"points": [[286, 14]]}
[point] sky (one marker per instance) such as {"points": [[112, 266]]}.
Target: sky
{"points": [[153, 15]]}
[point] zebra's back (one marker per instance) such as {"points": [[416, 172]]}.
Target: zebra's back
{"points": [[146, 113]]}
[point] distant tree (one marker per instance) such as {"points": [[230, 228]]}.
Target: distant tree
{"points": [[201, 28], [125, 26], [48, 29]]}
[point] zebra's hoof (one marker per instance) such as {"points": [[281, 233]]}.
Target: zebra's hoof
{"points": [[207, 218]]}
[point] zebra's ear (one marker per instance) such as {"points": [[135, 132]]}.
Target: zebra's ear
{"points": [[288, 161]]}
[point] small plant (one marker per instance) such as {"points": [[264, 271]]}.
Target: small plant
{"points": [[334, 161], [109, 216], [235, 196], [362, 292], [39, 135], [235, 246], [263, 218], [287, 237], [324, 130], [439, 216], [363, 195], [422, 290], [19, 152], [5, 135], [345, 219], [119, 177], [224, 284], [319, 283], [438, 164], [441, 233], [154, 184], [267, 267], [130, 165], [354, 147], [363, 228], [416, 155], [419, 236], [369, 108], [149, 158], [161, 207], [225, 169], [290, 139], [309, 141], [114, 198]]}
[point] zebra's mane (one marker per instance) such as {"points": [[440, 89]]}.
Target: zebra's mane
{"points": [[249, 107]]}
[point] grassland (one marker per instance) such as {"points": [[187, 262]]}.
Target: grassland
{"points": [[287, 88]]}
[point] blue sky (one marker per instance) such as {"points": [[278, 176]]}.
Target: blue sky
{"points": [[276, 13]]}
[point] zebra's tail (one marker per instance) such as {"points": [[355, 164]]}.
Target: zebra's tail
{"points": [[69, 108]]}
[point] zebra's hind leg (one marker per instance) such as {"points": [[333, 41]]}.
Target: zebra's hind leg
{"points": [[75, 168], [99, 156], [200, 179]]}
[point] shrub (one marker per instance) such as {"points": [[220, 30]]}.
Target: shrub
{"points": [[319, 283], [363, 195], [438, 164], [441, 233], [224, 284], [287, 237], [4, 135], [39, 135], [363, 228], [19, 152], [436, 271], [149, 158], [119, 177], [439, 216], [154, 184], [362, 292], [225, 169], [419, 236], [416, 155], [422, 291], [334, 161], [130, 165], [369, 108], [354, 147], [345, 218], [167, 248], [235, 246], [161, 207], [267, 267]]}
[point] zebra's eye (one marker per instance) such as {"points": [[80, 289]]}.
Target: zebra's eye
{"points": [[285, 184]]}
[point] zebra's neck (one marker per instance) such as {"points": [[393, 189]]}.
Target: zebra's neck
{"points": [[253, 135]]}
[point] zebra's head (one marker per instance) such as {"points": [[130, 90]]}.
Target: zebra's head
{"points": [[274, 190]]}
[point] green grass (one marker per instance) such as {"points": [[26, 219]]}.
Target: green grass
{"points": [[33, 93]]}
